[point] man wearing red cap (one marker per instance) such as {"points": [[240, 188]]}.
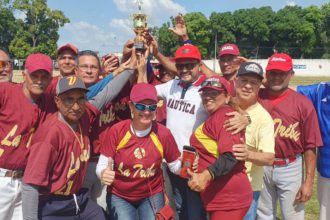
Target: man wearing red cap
{"points": [[20, 115], [297, 136], [184, 114]]}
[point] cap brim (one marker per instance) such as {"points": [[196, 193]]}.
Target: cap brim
{"points": [[213, 88], [84, 89], [275, 67]]}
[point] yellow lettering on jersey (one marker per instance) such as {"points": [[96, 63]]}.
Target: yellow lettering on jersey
{"points": [[31, 132], [67, 187], [286, 132], [208, 143], [15, 141], [157, 143], [123, 141], [123, 172], [1, 152], [74, 166], [144, 173], [106, 117]]}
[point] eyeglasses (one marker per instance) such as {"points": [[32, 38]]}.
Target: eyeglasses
{"points": [[85, 68], [69, 102], [187, 66], [5, 64], [210, 93], [142, 107]]}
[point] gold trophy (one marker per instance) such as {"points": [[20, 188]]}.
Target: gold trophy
{"points": [[139, 25]]}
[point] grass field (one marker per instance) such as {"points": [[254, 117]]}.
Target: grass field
{"points": [[312, 206]]}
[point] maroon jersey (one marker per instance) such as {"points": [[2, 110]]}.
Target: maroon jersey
{"points": [[51, 89], [58, 155], [233, 190], [137, 160], [295, 120], [19, 118], [114, 111]]}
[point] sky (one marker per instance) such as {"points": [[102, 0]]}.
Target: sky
{"points": [[105, 25]]}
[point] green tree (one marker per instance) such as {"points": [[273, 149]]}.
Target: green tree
{"points": [[39, 31], [222, 28], [325, 31], [8, 27], [168, 42], [253, 29], [291, 33], [199, 31]]}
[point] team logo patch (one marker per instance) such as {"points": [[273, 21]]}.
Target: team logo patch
{"points": [[185, 51], [139, 153], [278, 59], [227, 48], [253, 68], [72, 80]]}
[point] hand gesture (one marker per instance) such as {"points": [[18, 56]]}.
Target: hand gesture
{"points": [[199, 181], [109, 63], [241, 151], [237, 123], [108, 175], [305, 192], [180, 28]]}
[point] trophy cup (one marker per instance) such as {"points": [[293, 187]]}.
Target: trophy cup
{"points": [[139, 25]]}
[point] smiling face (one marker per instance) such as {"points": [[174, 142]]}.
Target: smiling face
{"points": [[6, 67], [188, 69], [71, 105], [278, 81], [66, 62], [247, 88], [213, 99], [228, 66], [142, 119], [36, 83]]}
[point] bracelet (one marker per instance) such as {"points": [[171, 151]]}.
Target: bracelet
{"points": [[248, 118]]}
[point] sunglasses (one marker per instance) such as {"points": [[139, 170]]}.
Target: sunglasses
{"points": [[142, 107], [187, 66], [215, 83], [211, 94], [5, 64]]}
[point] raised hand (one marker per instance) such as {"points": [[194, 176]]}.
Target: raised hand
{"points": [[180, 28], [108, 174]]}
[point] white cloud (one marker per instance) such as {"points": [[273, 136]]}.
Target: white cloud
{"points": [[111, 37], [291, 3], [19, 15]]}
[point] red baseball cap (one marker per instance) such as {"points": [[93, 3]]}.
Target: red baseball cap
{"points": [[71, 47], [218, 83], [280, 61], [231, 49], [143, 91], [39, 61], [188, 51]]}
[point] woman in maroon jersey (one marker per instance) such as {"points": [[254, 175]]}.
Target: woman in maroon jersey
{"points": [[229, 196], [131, 155]]}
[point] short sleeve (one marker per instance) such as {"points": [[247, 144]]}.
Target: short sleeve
{"points": [[224, 138], [42, 157], [163, 89]]}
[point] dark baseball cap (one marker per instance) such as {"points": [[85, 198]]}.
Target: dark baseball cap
{"points": [[71, 47], [143, 91], [39, 61], [188, 51], [68, 83], [230, 49], [250, 67]]}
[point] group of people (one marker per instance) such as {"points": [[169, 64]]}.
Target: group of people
{"points": [[91, 143]]}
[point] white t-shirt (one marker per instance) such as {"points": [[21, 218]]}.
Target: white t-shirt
{"points": [[183, 115]]}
